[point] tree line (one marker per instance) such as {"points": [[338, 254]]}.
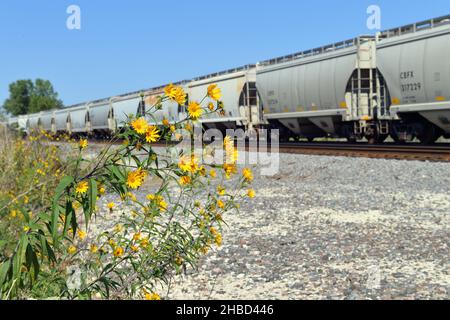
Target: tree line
{"points": [[26, 96]]}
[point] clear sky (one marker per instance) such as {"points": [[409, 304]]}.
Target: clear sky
{"points": [[130, 45]]}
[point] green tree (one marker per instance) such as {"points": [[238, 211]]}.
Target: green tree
{"points": [[28, 97], [19, 97], [44, 97]]}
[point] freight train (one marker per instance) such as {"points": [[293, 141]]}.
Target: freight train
{"points": [[395, 83]]}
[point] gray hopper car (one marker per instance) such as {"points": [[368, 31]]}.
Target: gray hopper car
{"points": [[396, 83]]}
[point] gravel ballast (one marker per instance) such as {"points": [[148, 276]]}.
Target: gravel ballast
{"points": [[332, 228]]}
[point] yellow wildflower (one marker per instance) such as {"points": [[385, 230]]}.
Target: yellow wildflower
{"points": [[137, 236], [81, 234], [93, 248], [83, 143], [131, 196], [151, 296], [166, 122], [188, 163], [179, 260], [168, 89], [135, 179], [213, 231], [134, 248], [144, 243], [229, 169], [251, 193], [176, 94], [211, 106], [228, 143], [195, 110], [221, 190], [247, 174], [152, 134], [204, 249], [72, 250], [118, 252], [173, 128], [220, 204], [218, 240], [82, 187], [111, 205], [185, 180], [162, 205], [140, 125], [212, 173], [214, 92], [188, 127]]}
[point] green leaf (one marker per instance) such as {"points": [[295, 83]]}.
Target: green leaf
{"points": [[65, 182], [45, 217], [43, 245], [106, 284], [69, 218], [2, 244], [116, 172], [92, 200], [19, 257], [32, 263], [137, 160], [4, 268], [54, 222]]}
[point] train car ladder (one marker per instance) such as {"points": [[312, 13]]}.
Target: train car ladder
{"points": [[366, 92]]}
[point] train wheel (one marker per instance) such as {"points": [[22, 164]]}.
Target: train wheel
{"points": [[429, 134], [378, 138], [382, 138], [396, 138]]}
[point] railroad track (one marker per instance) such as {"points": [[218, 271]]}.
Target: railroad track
{"points": [[436, 153]]}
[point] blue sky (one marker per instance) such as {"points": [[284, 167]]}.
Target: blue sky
{"points": [[130, 45]]}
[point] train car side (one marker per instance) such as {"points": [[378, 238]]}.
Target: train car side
{"points": [[416, 67], [372, 86], [240, 106]]}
